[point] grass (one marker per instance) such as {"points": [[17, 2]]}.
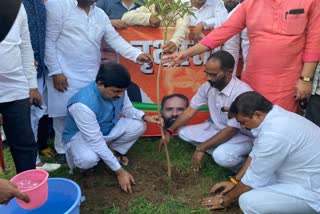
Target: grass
{"points": [[147, 148]]}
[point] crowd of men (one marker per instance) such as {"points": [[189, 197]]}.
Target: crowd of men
{"points": [[51, 60]]}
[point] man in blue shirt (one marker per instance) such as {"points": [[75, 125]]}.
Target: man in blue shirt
{"points": [[115, 10]]}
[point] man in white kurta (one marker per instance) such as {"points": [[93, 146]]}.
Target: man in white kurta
{"points": [[282, 173], [101, 123], [220, 137], [72, 55]]}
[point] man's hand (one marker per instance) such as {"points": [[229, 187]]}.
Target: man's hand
{"points": [[175, 59], [304, 89], [119, 24], [145, 58], [196, 160], [151, 119], [60, 82], [196, 33], [125, 180], [213, 203], [154, 21], [165, 140], [34, 95], [170, 47], [225, 186], [8, 190]]}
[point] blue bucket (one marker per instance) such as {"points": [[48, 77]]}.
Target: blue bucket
{"points": [[64, 197]]}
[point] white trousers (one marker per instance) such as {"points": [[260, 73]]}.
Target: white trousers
{"points": [[260, 201], [231, 154], [58, 126], [36, 113], [121, 138]]}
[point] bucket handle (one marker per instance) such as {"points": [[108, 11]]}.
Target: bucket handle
{"points": [[82, 199]]}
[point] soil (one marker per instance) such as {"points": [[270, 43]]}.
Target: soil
{"points": [[101, 189]]}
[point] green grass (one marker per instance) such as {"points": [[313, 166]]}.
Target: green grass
{"points": [[147, 148]]}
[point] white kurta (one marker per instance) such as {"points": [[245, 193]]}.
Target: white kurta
{"points": [[73, 41], [17, 71], [286, 157], [212, 15], [88, 146], [233, 45]]}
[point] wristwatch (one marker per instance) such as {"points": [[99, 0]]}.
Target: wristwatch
{"points": [[306, 79]]}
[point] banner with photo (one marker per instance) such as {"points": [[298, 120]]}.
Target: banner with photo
{"points": [[178, 84]]}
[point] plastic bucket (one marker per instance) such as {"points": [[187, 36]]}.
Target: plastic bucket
{"points": [[64, 197], [33, 183]]}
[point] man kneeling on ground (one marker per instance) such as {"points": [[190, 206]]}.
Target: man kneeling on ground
{"points": [[220, 137], [102, 124], [282, 173]]}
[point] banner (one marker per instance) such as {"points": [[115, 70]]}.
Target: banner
{"points": [[178, 85]]}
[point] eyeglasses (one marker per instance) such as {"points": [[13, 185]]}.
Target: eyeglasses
{"points": [[212, 75]]}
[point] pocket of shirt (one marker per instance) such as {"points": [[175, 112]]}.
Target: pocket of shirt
{"points": [[293, 24]]}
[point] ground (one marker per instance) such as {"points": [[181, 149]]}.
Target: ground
{"points": [[154, 192]]}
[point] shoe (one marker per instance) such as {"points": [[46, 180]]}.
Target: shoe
{"points": [[49, 167], [61, 158], [48, 152]]}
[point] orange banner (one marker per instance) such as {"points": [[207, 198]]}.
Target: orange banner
{"points": [[183, 80]]}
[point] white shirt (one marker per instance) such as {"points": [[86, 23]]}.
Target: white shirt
{"points": [[217, 100], [17, 70], [88, 125], [73, 41], [212, 15], [233, 45], [286, 157]]}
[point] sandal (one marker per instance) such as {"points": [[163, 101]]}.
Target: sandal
{"points": [[123, 159]]}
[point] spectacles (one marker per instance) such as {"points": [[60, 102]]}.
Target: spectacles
{"points": [[212, 75]]}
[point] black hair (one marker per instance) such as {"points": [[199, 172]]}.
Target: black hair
{"points": [[167, 97], [226, 60], [248, 103], [113, 74]]}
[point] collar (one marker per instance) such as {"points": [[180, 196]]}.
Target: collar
{"points": [[229, 88], [255, 132], [75, 3]]}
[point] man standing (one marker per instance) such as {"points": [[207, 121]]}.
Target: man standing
{"points": [[18, 88], [282, 173], [221, 138], [75, 29], [102, 124], [36, 13]]}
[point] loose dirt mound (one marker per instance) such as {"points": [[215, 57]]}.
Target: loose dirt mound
{"points": [[102, 191]]}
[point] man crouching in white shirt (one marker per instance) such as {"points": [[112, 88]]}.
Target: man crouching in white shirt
{"points": [[282, 173], [102, 124]]}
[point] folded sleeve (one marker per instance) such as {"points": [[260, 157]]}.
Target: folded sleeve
{"points": [[201, 97]]}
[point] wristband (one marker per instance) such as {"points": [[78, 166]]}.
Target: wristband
{"points": [[233, 180], [170, 131]]}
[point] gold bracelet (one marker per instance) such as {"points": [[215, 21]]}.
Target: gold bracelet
{"points": [[233, 180]]}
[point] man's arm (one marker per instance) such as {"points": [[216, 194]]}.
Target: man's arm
{"points": [[129, 111], [139, 16], [120, 45], [221, 137], [55, 16]]}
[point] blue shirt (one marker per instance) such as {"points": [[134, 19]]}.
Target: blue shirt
{"points": [[114, 8], [36, 13]]}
